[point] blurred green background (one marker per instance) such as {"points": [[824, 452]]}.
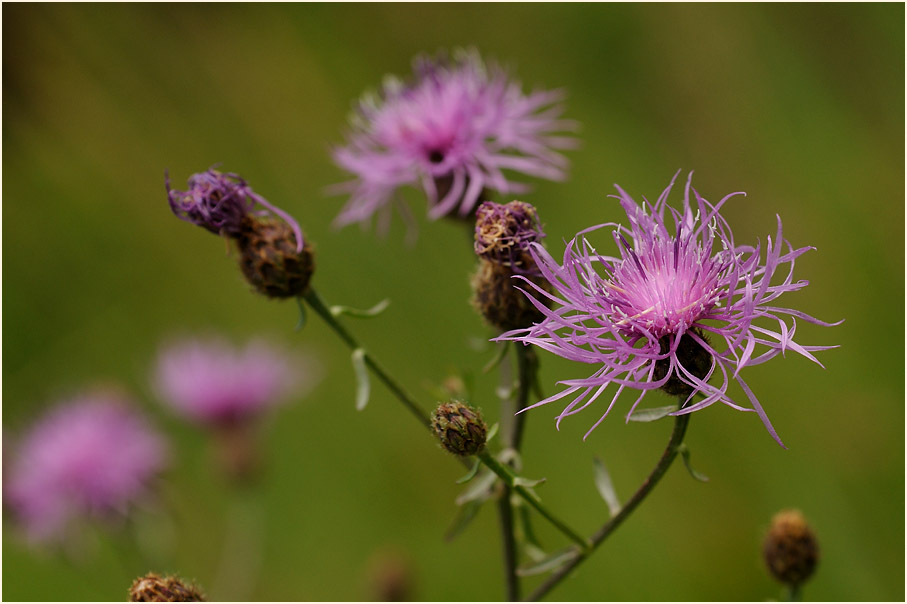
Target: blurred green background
{"points": [[801, 106]]}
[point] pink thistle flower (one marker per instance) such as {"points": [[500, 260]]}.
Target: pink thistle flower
{"points": [[211, 382], [453, 130], [648, 317], [90, 456]]}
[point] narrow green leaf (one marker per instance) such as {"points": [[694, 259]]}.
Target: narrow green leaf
{"points": [[302, 314], [362, 383], [685, 453], [519, 481], [462, 519], [534, 552], [606, 487], [369, 313], [549, 563], [479, 490], [650, 415], [498, 357], [471, 474], [531, 542], [492, 431]]}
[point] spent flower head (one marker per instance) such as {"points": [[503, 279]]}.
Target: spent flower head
{"points": [[653, 316], [221, 202], [504, 232], [790, 548], [452, 129], [91, 456], [212, 382]]}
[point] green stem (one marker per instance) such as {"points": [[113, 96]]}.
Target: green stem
{"points": [[505, 511], [670, 452], [792, 593], [318, 305], [527, 374], [512, 425], [241, 559], [506, 474], [324, 312]]}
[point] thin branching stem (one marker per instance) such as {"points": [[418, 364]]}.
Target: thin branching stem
{"points": [[322, 309], [670, 452]]}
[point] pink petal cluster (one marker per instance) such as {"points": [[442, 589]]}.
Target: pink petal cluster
{"points": [[93, 455], [679, 282], [452, 130], [211, 382]]}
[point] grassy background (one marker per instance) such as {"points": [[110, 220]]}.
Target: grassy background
{"points": [[801, 106]]}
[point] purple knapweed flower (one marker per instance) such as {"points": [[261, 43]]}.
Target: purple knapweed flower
{"points": [[213, 383], [90, 456], [649, 316], [452, 129], [504, 232], [220, 201]]}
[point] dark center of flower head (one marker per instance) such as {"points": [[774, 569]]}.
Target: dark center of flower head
{"points": [[435, 156], [691, 355]]}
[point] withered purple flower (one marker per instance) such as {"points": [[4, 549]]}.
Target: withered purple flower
{"points": [[220, 203], [453, 129], [654, 316], [504, 232]]}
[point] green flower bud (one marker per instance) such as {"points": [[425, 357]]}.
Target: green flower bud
{"points": [[460, 427]]}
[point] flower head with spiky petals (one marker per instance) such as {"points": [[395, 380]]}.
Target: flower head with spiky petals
{"points": [[650, 317], [90, 456], [220, 202], [453, 129]]}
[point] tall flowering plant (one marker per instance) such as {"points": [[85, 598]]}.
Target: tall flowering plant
{"points": [[673, 303]]}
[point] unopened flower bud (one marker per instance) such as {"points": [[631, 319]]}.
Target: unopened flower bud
{"points": [[497, 299], [271, 260], [154, 588], [790, 548], [691, 355], [460, 427], [504, 232]]}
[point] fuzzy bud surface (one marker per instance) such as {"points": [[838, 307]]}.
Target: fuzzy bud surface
{"points": [[460, 428], [154, 588]]}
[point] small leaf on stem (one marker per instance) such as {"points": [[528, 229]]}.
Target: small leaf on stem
{"points": [[471, 474], [464, 517], [549, 563], [480, 490], [519, 481], [606, 487], [492, 431], [650, 415], [363, 386], [498, 357], [369, 313], [685, 453]]}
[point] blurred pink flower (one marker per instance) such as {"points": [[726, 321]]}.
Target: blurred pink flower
{"points": [[92, 455], [211, 382]]}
